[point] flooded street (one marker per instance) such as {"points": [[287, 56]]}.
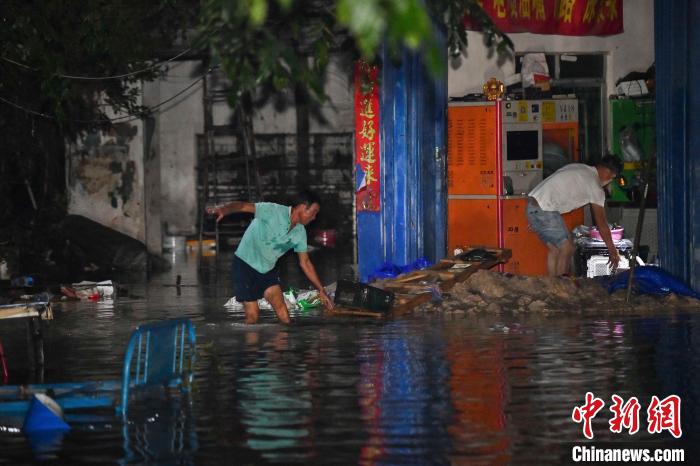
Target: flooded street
{"points": [[424, 389]]}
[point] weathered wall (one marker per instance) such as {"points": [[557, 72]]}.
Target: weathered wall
{"points": [[105, 178], [632, 50], [143, 181], [179, 121], [151, 178]]}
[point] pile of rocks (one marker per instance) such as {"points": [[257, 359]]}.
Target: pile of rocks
{"points": [[494, 292]]}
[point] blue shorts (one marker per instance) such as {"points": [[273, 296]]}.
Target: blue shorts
{"points": [[248, 283], [549, 225]]}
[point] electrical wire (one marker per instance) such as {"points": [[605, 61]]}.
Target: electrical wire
{"points": [[101, 78], [128, 117]]}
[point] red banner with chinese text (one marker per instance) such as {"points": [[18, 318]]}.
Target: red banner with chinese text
{"points": [[367, 167], [565, 17]]}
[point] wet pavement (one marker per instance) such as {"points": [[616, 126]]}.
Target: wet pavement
{"points": [[433, 388]]}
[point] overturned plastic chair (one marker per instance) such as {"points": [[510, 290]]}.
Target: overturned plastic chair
{"points": [[158, 354], [155, 356]]}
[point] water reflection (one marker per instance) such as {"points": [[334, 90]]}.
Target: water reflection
{"points": [[425, 389], [403, 396], [478, 391], [163, 433]]}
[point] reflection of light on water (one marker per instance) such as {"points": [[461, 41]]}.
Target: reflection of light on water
{"points": [[618, 329], [274, 411], [602, 329], [10, 430], [105, 308], [423, 389]]}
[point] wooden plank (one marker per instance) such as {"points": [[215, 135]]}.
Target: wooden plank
{"points": [[26, 310], [18, 313], [411, 293], [352, 311], [409, 288]]}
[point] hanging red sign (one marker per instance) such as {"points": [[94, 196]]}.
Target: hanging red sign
{"points": [[367, 166], [565, 17]]}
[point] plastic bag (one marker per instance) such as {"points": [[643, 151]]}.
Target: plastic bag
{"points": [[391, 270], [631, 151], [534, 69]]}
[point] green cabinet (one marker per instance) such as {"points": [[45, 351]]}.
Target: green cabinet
{"points": [[639, 115]]}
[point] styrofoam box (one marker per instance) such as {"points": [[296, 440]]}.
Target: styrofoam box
{"points": [[598, 265]]}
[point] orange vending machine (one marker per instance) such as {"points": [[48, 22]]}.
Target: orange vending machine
{"points": [[495, 157]]}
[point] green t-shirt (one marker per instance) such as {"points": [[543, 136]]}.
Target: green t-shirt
{"points": [[268, 237]]}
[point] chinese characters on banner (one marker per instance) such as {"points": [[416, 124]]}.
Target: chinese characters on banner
{"points": [[565, 17], [661, 415], [367, 189]]}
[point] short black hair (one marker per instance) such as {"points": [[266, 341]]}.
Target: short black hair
{"points": [[306, 197], [612, 163]]}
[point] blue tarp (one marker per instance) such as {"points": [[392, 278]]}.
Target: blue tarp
{"points": [[391, 270], [652, 280]]}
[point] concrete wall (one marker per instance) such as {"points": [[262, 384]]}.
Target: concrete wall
{"points": [[632, 50], [179, 121], [105, 178], [144, 183]]}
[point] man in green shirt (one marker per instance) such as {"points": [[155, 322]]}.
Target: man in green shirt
{"points": [[275, 230]]}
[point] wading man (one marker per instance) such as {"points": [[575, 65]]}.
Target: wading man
{"points": [[275, 229], [569, 188]]}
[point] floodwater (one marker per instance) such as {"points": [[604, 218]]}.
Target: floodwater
{"points": [[423, 389]]}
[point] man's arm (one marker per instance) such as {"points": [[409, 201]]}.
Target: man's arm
{"points": [[601, 222], [310, 272], [236, 206]]}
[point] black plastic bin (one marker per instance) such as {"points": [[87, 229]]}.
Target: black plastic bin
{"points": [[355, 294]]}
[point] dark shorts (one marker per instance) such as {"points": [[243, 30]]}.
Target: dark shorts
{"points": [[248, 283]]}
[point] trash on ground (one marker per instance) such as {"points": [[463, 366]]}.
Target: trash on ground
{"points": [[363, 296], [294, 299], [93, 291], [23, 281]]}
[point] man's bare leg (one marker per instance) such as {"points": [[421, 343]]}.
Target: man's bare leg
{"points": [[252, 311], [566, 251], [552, 260], [275, 297]]}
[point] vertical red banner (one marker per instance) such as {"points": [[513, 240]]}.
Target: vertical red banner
{"points": [[367, 166]]}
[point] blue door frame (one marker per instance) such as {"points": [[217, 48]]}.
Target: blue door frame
{"points": [[677, 39], [413, 217]]}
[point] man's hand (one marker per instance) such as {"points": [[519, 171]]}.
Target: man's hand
{"points": [[614, 259], [218, 211], [231, 208], [325, 299]]}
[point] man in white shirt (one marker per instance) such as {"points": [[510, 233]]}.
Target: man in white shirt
{"points": [[569, 188]]}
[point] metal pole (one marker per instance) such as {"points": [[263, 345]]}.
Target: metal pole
{"points": [[499, 178], [638, 232]]}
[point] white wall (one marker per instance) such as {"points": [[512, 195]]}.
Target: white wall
{"points": [[179, 121], [633, 50]]}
